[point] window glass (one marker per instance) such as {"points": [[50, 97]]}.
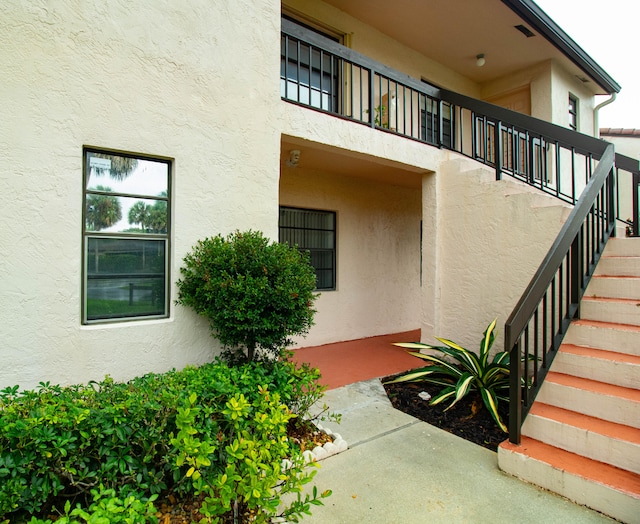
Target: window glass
{"points": [[313, 231], [573, 113], [125, 278], [126, 233]]}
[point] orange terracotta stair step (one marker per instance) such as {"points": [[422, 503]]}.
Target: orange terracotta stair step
{"points": [[601, 324], [603, 354], [586, 422], [594, 386], [616, 478]]}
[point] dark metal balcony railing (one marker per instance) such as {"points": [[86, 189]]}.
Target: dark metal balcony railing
{"points": [[575, 168], [323, 75]]}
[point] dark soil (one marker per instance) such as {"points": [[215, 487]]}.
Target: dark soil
{"points": [[468, 419]]}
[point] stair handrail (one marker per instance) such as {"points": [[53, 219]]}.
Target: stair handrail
{"points": [[571, 250], [567, 138]]}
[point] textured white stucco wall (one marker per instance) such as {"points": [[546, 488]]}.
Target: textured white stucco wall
{"points": [[378, 254], [482, 245], [625, 145], [160, 77], [563, 84], [628, 146]]}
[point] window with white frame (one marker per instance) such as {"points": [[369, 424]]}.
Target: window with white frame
{"points": [[126, 230], [573, 112], [313, 231]]}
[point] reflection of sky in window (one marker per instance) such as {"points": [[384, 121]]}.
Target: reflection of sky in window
{"points": [[149, 178]]}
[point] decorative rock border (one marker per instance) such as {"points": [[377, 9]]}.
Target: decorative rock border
{"points": [[328, 449]]}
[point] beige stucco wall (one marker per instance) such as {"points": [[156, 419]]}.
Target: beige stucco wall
{"points": [[563, 84], [193, 87], [300, 122], [483, 241], [539, 81], [151, 76], [628, 146], [625, 145], [378, 253]]}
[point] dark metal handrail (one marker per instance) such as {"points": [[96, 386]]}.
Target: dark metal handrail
{"points": [[535, 329]]}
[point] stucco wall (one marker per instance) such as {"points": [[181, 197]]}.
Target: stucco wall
{"points": [[153, 76], [378, 254], [625, 145], [539, 81], [628, 146], [482, 244], [562, 85]]}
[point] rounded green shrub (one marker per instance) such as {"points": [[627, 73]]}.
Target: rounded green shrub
{"points": [[255, 293]]}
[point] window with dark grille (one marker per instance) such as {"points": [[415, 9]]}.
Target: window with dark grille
{"points": [[126, 236], [313, 231], [430, 122], [573, 112], [430, 110]]}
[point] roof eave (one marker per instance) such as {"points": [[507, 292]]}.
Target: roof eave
{"points": [[543, 24]]}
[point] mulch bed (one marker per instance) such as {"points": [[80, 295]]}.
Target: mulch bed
{"points": [[468, 419]]}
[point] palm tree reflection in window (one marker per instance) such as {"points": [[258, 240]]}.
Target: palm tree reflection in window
{"points": [[103, 211]]}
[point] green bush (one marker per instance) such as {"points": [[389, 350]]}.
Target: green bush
{"points": [[256, 294], [108, 508], [260, 465], [59, 443]]}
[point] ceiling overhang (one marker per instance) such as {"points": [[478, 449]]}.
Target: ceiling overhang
{"points": [[455, 33], [544, 25]]}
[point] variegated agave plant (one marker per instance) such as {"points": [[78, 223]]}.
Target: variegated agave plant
{"points": [[463, 371]]}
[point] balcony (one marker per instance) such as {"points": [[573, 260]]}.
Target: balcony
{"points": [[325, 76]]}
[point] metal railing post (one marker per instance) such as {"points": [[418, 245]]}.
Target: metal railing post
{"points": [[515, 389], [497, 130], [636, 211], [372, 85]]}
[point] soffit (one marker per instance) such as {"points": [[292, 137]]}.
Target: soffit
{"points": [[320, 158], [455, 32]]}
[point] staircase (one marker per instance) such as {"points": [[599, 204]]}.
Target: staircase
{"points": [[581, 438]]}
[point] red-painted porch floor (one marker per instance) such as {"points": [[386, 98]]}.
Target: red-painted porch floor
{"points": [[352, 361]]}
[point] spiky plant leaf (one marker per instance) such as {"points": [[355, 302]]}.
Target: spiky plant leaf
{"points": [[462, 388], [487, 341], [410, 377], [451, 344], [447, 367], [413, 345], [423, 356], [502, 358], [445, 394], [466, 359], [491, 402]]}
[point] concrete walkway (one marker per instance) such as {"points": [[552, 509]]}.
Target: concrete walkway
{"points": [[401, 470]]}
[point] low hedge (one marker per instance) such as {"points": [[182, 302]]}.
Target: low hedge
{"points": [[60, 444]]}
